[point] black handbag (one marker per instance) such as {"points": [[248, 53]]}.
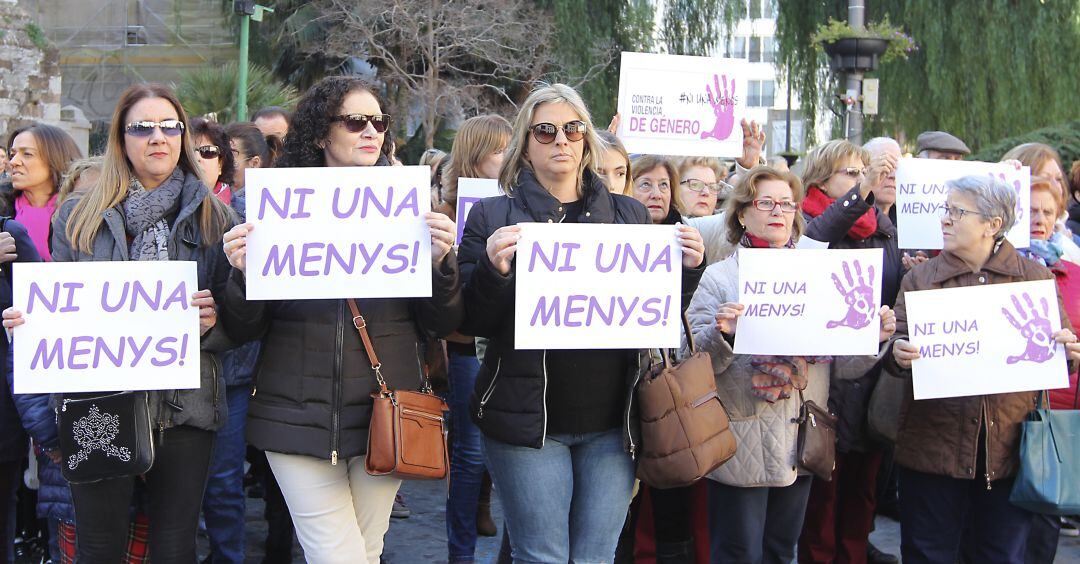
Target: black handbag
{"points": [[104, 436]]}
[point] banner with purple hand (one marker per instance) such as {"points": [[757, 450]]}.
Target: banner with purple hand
{"points": [[986, 339], [681, 105], [589, 286], [809, 301], [921, 193]]}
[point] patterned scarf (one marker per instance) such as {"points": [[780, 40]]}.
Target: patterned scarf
{"points": [[146, 211], [776, 375], [1046, 253]]}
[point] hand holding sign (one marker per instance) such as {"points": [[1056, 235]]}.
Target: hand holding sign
{"points": [[235, 245], [204, 300], [501, 247], [888, 323], [904, 353], [443, 231], [727, 317], [7, 247], [1072, 347], [693, 247]]}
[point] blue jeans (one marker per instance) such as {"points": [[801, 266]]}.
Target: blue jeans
{"points": [[223, 504], [466, 461], [756, 525], [567, 501]]}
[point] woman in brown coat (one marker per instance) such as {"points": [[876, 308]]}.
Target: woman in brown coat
{"points": [[958, 456]]}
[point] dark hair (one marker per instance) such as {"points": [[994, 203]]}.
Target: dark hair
{"points": [[311, 122], [57, 150], [272, 111], [255, 144], [213, 131]]}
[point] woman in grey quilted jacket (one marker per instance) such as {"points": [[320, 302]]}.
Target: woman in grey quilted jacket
{"points": [[758, 498]]}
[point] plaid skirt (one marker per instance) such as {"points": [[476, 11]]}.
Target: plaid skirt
{"points": [[138, 547]]}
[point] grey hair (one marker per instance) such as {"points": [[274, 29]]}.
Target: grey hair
{"points": [[992, 197], [878, 144]]}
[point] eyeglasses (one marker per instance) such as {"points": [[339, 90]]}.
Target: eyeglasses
{"points": [[955, 213], [767, 205], [700, 186], [208, 151], [646, 186], [355, 123], [545, 133], [170, 127], [852, 171]]}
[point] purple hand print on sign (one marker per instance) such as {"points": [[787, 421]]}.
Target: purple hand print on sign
{"points": [[1015, 185], [858, 294], [724, 107], [1034, 327]]}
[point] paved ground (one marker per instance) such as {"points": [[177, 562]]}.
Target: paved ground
{"points": [[421, 539]]}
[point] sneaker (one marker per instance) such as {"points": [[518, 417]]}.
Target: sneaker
{"points": [[400, 510], [874, 555], [1068, 528]]}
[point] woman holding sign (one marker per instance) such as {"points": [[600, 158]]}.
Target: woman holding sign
{"points": [[842, 181], [758, 499], [958, 456], [559, 428], [312, 404], [151, 203]]}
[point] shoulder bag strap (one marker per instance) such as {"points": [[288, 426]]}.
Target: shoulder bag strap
{"points": [[361, 327], [667, 355]]}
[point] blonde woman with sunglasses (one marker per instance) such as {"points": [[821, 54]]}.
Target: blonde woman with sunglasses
{"points": [[559, 427]]}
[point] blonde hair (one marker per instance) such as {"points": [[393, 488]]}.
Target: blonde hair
{"points": [[71, 179], [644, 163], [1035, 156], [519, 138], [613, 144], [112, 186], [746, 192], [1040, 183], [821, 162], [477, 138]]}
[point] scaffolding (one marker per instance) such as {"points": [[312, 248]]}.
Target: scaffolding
{"points": [[107, 45]]}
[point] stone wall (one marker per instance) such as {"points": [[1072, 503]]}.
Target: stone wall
{"points": [[29, 72]]}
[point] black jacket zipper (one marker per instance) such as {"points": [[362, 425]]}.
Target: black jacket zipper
{"points": [[335, 400]]}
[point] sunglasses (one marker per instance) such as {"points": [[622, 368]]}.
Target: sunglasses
{"points": [[208, 151], [355, 123], [170, 127], [545, 133]]}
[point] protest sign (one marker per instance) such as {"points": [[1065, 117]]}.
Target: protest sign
{"points": [[470, 191], [587, 286], [343, 232], [990, 339], [809, 301], [681, 105], [105, 326], [921, 192]]}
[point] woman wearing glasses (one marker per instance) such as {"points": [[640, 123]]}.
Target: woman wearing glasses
{"points": [[840, 210], [312, 403], [700, 185], [250, 149], [958, 456], [150, 203], [213, 156], [557, 425], [757, 500]]}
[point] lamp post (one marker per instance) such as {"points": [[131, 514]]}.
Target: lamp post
{"points": [[857, 21], [247, 10]]}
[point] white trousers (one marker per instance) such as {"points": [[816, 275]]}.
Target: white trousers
{"points": [[340, 513]]}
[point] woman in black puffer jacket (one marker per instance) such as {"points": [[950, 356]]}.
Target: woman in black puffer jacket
{"points": [[312, 402]]}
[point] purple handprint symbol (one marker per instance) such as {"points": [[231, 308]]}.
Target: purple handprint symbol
{"points": [[1034, 327], [723, 106], [859, 296], [1015, 185]]}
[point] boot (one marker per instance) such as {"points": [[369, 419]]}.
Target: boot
{"points": [[485, 525], [675, 552]]}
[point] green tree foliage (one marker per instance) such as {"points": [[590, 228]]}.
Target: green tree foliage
{"points": [[212, 90], [1064, 137], [693, 27], [985, 69]]}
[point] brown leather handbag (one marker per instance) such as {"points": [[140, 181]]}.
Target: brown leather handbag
{"points": [[685, 433], [816, 446], [407, 434]]}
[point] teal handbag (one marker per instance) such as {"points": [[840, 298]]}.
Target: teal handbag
{"points": [[1049, 478]]}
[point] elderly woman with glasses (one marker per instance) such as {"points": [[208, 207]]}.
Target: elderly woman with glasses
{"points": [[840, 210], [958, 456], [701, 186]]}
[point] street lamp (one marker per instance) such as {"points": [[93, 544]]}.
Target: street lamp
{"points": [[247, 10]]}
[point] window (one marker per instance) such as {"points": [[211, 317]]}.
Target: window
{"points": [[761, 9], [768, 9], [760, 93], [754, 8], [755, 49], [768, 53], [736, 47]]}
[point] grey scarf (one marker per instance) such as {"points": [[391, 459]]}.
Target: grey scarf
{"points": [[146, 212]]}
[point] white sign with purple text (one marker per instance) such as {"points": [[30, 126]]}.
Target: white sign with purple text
{"points": [[470, 191], [682, 105], [590, 286], [921, 193], [809, 301], [105, 326], [990, 339], [344, 232]]}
